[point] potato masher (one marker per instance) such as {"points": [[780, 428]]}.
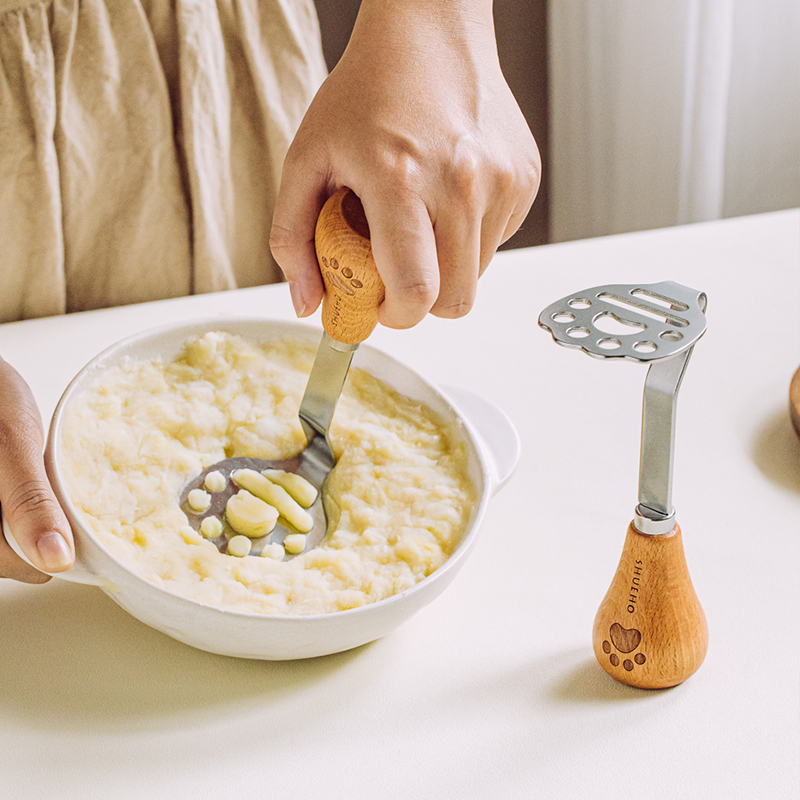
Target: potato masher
{"points": [[650, 630], [353, 292]]}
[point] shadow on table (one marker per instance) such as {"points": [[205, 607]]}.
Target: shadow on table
{"points": [[776, 451], [588, 683], [71, 657]]}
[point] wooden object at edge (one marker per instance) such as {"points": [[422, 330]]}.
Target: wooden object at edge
{"points": [[794, 401]]}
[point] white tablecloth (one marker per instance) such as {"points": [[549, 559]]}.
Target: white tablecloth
{"points": [[492, 691]]}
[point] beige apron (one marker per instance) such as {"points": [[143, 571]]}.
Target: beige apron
{"points": [[141, 143]]}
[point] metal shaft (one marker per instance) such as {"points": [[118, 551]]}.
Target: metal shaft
{"points": [[655, 513], [325, 383]]}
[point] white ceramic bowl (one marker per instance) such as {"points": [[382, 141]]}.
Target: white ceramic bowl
{"points": [[493, 451]]}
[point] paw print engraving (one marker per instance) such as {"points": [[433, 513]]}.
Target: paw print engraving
{"points": [[625, 641], [342, 279]]}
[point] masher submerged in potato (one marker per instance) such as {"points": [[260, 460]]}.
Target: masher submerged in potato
{"points": [[353, 292]]}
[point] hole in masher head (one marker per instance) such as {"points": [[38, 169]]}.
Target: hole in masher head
{"points": [[608, 322], [578, 332], [579, 302]]}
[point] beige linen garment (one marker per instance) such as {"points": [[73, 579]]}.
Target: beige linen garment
{"points": [[141, 143]]}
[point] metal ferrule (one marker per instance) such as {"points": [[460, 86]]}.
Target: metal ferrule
{"points": [[650, 525]]}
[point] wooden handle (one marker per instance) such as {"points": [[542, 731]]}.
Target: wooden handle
{"points": [[353, 288], [650, 630], [794, 401]]}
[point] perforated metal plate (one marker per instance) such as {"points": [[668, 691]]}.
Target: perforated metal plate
{"points": [[637, 322]]}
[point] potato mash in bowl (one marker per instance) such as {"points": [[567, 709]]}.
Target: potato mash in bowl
{"points": [[400, 497], [144, 416]]}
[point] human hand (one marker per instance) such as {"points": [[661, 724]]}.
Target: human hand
{"points": [[419, 122], [28, 503]]}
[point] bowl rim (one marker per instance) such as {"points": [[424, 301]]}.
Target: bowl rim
{"points": [[209, 324]]}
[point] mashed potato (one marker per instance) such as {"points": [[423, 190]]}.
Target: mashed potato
{"points": [[401, 496]]}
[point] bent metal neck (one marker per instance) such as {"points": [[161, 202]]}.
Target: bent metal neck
{"points": [[654, 514]]}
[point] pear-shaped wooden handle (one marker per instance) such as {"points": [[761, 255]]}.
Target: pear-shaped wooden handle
{"points": [[353, 288], [650, 630]]}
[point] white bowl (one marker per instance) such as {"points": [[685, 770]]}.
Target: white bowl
{"points": [[493, 451]]}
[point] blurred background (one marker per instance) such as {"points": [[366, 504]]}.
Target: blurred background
{"points": [[647, 114]]}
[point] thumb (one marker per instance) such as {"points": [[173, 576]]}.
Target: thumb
{"points": [[28, 504]]}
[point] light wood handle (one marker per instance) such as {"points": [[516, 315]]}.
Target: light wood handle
{"points": [[650, 630], [353, 288]]}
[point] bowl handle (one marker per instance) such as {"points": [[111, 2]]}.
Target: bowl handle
{"points": [[495, 432], [76, 573]]}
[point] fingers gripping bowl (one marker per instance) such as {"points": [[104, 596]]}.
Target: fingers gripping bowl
{"points": [[486, 440]]}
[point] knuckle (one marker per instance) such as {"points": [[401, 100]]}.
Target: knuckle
{"points": [[465, 174], [398, 164], [305, 151], [419, 294], [281, 239], [407, 305], [520, 180], [531, 178], [508, 181], [454, 310], [294, 153], [529, 172], [30, 498]]}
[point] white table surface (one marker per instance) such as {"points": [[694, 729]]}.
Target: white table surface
{"points": [[492, 691]]}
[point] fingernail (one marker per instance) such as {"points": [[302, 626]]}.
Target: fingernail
{"points": [[54, 552], [297, 299]]}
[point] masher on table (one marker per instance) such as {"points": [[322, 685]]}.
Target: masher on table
{"points": [[353, 292], [650, 630]]}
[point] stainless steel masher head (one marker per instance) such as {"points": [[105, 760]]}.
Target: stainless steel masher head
{"points": [[651, 604]]}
